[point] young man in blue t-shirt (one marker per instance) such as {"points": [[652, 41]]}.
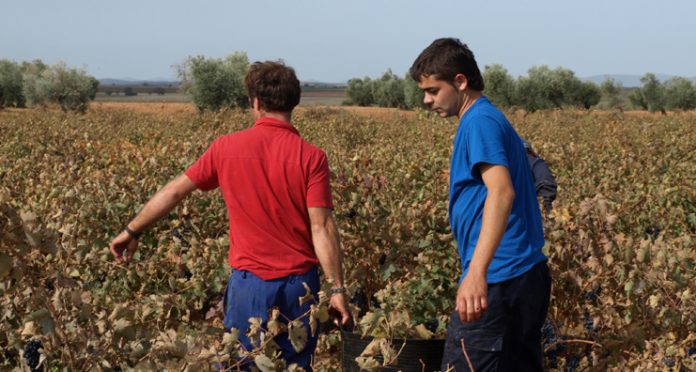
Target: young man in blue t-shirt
{"points": [[504, 290]]}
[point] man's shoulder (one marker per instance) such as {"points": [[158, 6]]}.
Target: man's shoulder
{"points": [[240, 134], [484, 111], [312, 148], [312, 154], [486, 122]]}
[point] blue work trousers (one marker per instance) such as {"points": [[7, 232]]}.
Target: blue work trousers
{"points": [[248, 296], [508, 336]]}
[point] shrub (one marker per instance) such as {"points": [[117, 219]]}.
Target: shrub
{"points": [[680, 94], [544, 88], [611, 94], [651, 96], [70, 88], [413, 96], [11, 84], [215, 83], [500, 86], [359, 92], [388, 91]]}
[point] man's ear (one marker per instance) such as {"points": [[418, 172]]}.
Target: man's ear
{"points": [[461, 82], [255, 103]]}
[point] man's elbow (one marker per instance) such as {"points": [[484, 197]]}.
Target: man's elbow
{"points": [[505, 194], [509, 196], [173, 194], [319, 227]]}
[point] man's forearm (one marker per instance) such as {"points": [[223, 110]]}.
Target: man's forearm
{"points": [[328, 249], [161, 203]]}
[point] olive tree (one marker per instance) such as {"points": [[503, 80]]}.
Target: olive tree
{"points": [[360, 92], [650, 96], [585, 94], [388, 91], [215, 83], [545, 88], [680, 94], [413, 96], [11, 84], [611, 94], [31, 72], [500, 86], [70, 88]]}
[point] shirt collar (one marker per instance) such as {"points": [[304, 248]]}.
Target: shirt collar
{"points": [[271, 122]]}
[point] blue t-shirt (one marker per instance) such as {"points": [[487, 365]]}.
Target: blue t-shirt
{"points": [[485, 136]]}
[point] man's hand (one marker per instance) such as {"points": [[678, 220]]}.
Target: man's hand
{"points": [[123, 242], [471, 297], [339, 302]]}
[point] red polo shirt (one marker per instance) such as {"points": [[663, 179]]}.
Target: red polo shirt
{"points": [[269, 176]]}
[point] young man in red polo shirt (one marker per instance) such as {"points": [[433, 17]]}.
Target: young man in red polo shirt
{"points": [[276, 188]]}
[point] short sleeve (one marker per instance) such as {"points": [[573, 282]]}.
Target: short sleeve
{"points": [[319, 184], [486, 143], [203, 173]]}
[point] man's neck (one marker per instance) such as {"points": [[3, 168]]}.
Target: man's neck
{"points": [[468, 99], [282, 116]]}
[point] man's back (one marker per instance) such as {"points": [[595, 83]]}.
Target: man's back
{"points": [[269, 176]]}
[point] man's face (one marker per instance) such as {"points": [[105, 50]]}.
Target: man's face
{"points": [[440, 96]]}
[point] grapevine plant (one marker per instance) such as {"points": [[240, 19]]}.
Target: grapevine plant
{"points": [[620, 239]]}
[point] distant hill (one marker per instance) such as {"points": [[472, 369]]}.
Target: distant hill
{"points": [[129, 82], [175, 83], [628, 81], [316, 91], [322, 85]]}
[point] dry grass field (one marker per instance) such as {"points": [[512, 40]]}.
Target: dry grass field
{"points": [[620, 239]]}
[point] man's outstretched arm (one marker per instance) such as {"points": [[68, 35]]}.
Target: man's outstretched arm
{"points": [[328, 249], [157, 207]]}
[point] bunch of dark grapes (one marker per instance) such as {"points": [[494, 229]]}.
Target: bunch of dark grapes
{"points": [[432, 324], [548, 334], [589, 323], [179, 233], [31, 354], [48, 284], [360, 300], [594, 293], [350, 214], [653, 231], [548, 339], [572, 363]]}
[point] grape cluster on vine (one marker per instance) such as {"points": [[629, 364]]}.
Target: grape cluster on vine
{"points": [[31, 354]]}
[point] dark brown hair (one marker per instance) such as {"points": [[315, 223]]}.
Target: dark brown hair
{"points": [[444, 59], [274, 85]]}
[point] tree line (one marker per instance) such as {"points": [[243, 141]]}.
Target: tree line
{"points": [[217, 83], [36, 84], [542, 88]]}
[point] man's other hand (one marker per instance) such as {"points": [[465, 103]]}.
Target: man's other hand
{"points": [[471, 298], [123, 243], [339, 302]]}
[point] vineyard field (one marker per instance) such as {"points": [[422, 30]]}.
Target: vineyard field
{"points": [[620, 238]]}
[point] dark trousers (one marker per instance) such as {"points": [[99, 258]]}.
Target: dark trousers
{"points": [[508, 336], [248, 296]]}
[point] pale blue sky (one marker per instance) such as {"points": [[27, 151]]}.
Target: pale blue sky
{"points": [[334, 41]]}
